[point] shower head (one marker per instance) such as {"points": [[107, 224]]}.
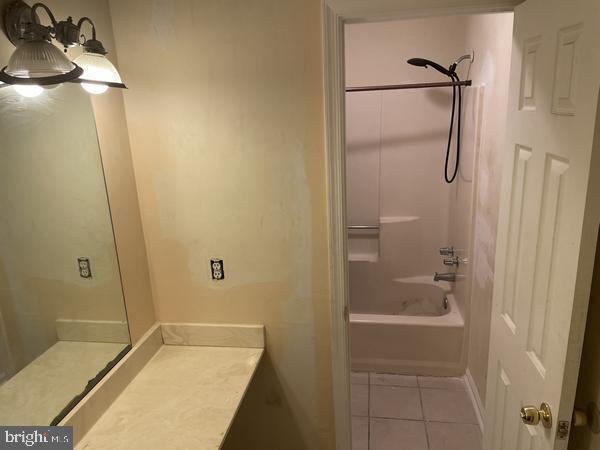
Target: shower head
{"points": [[420, 62]]}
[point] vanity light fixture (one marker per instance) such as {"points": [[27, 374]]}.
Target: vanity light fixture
{"points": [[36, 63], [98, 72]]}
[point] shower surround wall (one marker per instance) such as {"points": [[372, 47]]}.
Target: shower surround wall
{"points": [[396, 141], [490, 36], [394, 161]]}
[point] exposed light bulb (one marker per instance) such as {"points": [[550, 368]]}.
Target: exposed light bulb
{"points": [[28, 90], [95, 89], [97, 68]]}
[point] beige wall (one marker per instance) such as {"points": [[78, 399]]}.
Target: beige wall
{"points": [[225, 114], [112, 134]]}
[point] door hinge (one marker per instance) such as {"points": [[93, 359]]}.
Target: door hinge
{"points": [[562, 431]]}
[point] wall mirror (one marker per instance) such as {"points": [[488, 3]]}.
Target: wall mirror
{"points": [[62, 314]]}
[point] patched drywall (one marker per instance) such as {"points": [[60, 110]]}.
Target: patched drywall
{"points": [[225, 114]]}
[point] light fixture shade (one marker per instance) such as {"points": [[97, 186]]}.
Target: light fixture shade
{"points": [[38, 59], [98, 68]]}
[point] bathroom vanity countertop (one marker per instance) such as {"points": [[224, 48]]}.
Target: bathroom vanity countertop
{"points": [[185, 397], [37, 393]]}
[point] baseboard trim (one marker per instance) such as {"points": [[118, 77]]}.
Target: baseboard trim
{"points": [[475, 398], [408, 367]]}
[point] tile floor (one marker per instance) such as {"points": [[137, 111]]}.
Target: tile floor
{"points": [[402, 412]]}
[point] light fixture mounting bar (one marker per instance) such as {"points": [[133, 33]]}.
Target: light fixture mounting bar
{"points": [[99, 83]]}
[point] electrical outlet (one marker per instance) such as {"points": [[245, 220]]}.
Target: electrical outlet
{"points": [[85, 269], [216, 269]]}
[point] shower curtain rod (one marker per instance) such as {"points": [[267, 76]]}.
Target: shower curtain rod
{"points": [[408, 86]]}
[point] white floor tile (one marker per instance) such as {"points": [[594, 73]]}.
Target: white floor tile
{"points": [[391, 434], [391, 379], [395, 402], [440, 405], [441, 383], [359, 378], [360, 400], [453, 436], [360, 433]]}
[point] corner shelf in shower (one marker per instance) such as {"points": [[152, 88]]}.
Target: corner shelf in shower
{"points": [[385, 220], [365, 257]]}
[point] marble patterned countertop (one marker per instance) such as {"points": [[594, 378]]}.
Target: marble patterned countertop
{"points": [[185, 397], [36, 394]]}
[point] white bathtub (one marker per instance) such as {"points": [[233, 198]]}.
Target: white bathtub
{"points": [[396, 335]]}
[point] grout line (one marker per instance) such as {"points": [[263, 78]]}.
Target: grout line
{"points": [[423, 414], [368, 410], [421, 420]]}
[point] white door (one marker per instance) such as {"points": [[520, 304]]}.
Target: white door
{"points": [[548, 223]]}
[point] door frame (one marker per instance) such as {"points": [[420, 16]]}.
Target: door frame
{"points": [[337, 13]]}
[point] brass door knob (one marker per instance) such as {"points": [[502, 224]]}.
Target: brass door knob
{"points": [[580, 418], [530, 415]]}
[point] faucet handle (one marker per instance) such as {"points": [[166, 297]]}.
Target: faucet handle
{"points": [[455, 261], [447, 251]]}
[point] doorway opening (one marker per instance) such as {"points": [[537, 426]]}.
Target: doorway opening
{"points": [[421, 249]]}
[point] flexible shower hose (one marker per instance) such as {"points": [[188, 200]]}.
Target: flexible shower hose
{"points": [[449, 179]]}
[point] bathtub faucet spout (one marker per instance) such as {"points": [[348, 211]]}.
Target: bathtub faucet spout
{"points": [[451, 276]]}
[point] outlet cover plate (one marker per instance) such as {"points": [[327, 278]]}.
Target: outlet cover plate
{"points": [[85, 269], [217, 270]]}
